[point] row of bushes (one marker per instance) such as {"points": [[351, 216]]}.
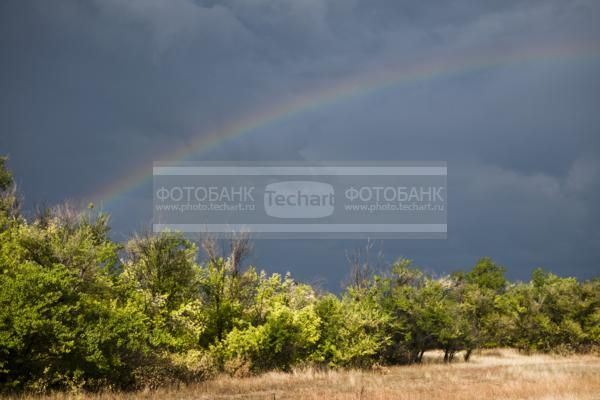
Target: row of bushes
{"points": [[79, 311]]}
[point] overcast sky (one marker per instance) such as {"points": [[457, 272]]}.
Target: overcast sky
{"points": [[90, 90]]}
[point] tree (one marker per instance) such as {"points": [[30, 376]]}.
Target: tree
{"points": [[165, 266], [477, 292], [226, 293], [61, 325], [73, 315], [9, 200], [487, 275]]}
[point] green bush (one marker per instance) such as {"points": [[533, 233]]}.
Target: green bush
{"points": [[81, 312], [286, 337]]}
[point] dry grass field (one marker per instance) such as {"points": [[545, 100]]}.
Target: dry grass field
{"points": [[497, 374]]}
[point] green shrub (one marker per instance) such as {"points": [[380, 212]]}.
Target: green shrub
{"points": [[286, 337], [74, 316]]}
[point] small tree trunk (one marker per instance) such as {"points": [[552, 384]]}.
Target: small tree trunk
{"points": [[468, 355]]}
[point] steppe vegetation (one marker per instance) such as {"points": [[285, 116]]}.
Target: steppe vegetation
{"points": [[81, 313]]}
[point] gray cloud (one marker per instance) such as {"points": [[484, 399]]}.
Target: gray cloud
{"points": [[94, 89]]}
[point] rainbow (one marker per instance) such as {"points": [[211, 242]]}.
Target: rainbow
{"points": [[338, 91]]}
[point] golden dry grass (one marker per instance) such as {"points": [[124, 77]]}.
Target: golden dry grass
{"points": [[497, 374]]}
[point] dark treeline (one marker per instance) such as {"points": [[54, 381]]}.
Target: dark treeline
{"points": [[79, 311]]}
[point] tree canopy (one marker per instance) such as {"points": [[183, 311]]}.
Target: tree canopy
{"points": [[80, 311]]}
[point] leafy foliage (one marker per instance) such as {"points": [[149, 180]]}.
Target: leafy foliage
{"points": [[79, 311]]}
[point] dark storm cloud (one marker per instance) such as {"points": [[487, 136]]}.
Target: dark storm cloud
{"points": [[91, 89]]}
